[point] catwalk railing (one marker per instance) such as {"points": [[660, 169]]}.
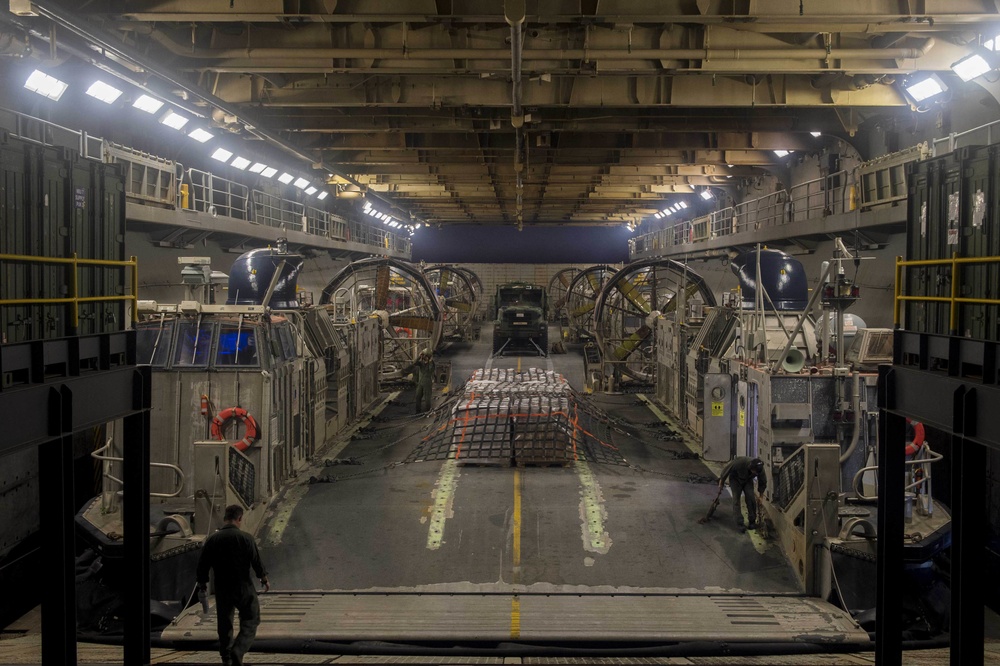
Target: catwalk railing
{"points": [[158, 181], [875, 183]]}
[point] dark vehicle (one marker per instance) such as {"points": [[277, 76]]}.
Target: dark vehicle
{"points": [[519, 322]]}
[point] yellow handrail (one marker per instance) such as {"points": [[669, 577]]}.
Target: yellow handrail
{"points": [[952, 300], [73, 300]]}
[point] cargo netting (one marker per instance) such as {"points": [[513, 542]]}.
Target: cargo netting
{"points": [[520, 418]]}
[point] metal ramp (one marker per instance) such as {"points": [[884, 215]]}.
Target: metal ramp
{"points": [[557, 617]]}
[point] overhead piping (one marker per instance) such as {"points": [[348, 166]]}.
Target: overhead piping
{"points": [[514, 13], [112, 45], [623, 53]]}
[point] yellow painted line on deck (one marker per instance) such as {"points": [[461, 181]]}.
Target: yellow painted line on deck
{"points": [[515, 617], [517, 525], [519, 364], [515, 601], [442, 508], [285, 504], [592, 511]]}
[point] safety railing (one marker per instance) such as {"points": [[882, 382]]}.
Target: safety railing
{"points": [[107, 461], [953, 300], [883, 180], [147, 177], [981, 135], [878, 182], [218, 196], [821, 197], [45, 133], [918, 485], [273, 211], [73, 300]]}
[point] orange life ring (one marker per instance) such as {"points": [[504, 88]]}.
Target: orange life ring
{"points": [[918, 437], [252, 431]]}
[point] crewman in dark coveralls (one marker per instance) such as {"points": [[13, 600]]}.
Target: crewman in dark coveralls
{"points": [[423, 375], [741, 471], [231, 553]]}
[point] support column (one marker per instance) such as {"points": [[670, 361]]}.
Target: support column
{"points": [[968, 516], [58, 590], [136, 525], [889, 567]]}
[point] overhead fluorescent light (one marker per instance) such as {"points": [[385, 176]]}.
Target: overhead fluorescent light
{"points": [[257, 167], [269, 172], [782, 153], [311, 190], [45, 85], [174, 120], [372, 212], [104, 92], [971, 67], [706, 195], [286, 178], [682, 204], [322, 195], [200, 135], [147, 104], [816, 134], [925, 87], [301, 183], [222, 154], [240, 163]]}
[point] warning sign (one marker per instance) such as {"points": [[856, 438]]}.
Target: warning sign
{"points": [[717, 409], [743, 417]]}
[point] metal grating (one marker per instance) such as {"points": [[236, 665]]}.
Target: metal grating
{"points": [[242, 475], [790, 479], [520, 418]]}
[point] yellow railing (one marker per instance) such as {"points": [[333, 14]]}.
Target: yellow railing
{"points": [[74, 300], [955, 261]]}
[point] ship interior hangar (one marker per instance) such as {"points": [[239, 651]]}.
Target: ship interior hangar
{"points": [[638, 239]]}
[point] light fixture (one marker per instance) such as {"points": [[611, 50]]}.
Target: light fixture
{"points": [[350, 192], [782, 153], [174, 120], [922, 87], [269, 172], [322, 195], [257, 167], [45, 85], [816, 134], [693, 188], [682, 204], [311, 190], [301, 183], [993, 43], [706, 194], [147, 104], [200, 135], [222, 154], [286, 178], [104, 92], [971, 67], [371, 211], [240, 163]]}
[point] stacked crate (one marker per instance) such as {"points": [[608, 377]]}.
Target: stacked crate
{"points": [[54, 203], [515, 417], [953, 208]]}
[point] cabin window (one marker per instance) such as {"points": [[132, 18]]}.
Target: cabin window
{"points": [[287, 342], [194, 343], [237, 346], [153, 343]]}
